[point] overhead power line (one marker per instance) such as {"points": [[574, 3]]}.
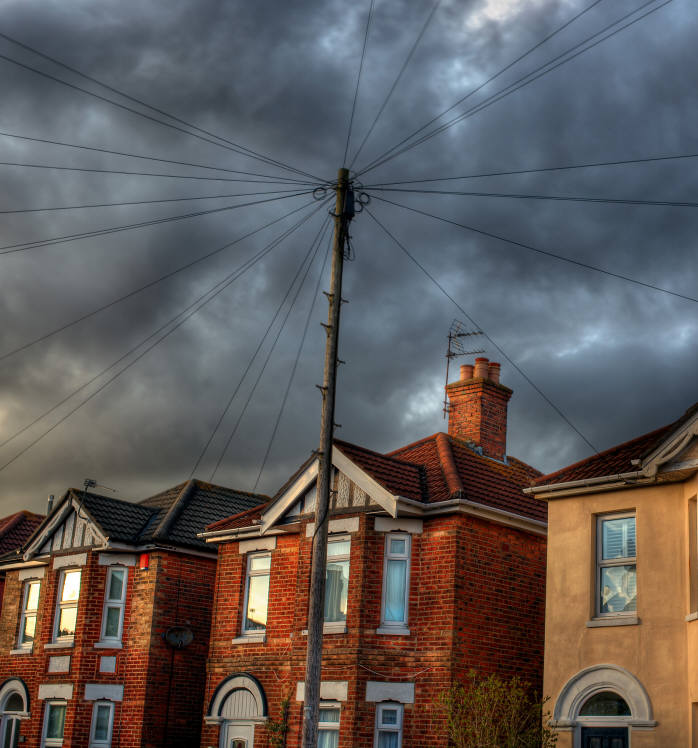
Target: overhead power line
{"points": [[525, 80], [530, 247], [22, 247], [358, 81], [224, 142], [148, 158], [150, 284], [260, 374], [623, 162], [477, 326], [174, 323], [567, 198]]}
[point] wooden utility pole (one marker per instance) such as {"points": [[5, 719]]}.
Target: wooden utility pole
{"points": [[313, 665]]}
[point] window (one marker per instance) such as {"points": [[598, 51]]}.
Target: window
{"points": [[337, 579], [54, 723], [256, 594], [328, 726], [617, 582], [67, 605], [102, 721], [27, 621], [114, 603], [388, 726], [396, 580]]}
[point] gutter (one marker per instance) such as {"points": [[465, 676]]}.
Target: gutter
{"points": [[588, 482]]}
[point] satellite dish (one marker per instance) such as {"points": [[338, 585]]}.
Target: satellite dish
{"points": [[179, 637]]}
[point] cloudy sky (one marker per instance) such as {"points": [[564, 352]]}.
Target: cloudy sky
{"points": [[617, 358]]}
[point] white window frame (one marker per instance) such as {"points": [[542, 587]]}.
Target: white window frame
{"points": [[249, 573], [338, 557], [602, 564], [388, 556], [26, 613], [63, 606], [52, 742], [120, 604], [94, 742], [396, 728], [329, 726]]}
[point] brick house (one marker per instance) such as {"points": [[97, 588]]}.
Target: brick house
{"points": [[622, 593], [104, 631], [436, 566], [15, 530]]}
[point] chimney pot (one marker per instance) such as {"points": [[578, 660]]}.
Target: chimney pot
{"points": [[466, 371], [481, 368], [493, 372]]}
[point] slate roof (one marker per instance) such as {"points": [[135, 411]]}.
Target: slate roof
{"points": [[618, 459], [16, 529], [437, 468]]}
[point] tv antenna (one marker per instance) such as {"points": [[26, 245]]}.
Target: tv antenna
{"points": [[456, 348]]}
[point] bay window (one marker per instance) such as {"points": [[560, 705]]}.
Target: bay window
{"points": [[27, 622], [67, 605], [337, 579], [254, 620], [616, 565], [396, 581]]}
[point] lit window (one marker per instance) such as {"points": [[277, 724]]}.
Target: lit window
{"points": [[388, 726], [54, 723], [114, 604], [337, 579], [102, 721], [27, 622], [67, 605], [256, 594], [328, 726], [396, 580], [616, 557]]}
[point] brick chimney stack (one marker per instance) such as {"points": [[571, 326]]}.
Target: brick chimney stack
{"points": [[478, 408]]}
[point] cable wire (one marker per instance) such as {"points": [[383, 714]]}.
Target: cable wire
{"points": [[563, 198], [530, 247], [358, 81], [525, 80], [396, 81], [150, 284], [292, 375], [227, 144], [479, 327], [173, 323], [24, 246], [147, 158], [316, 245]]}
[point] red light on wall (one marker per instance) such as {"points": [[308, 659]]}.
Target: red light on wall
{"points": [[144, 561]]}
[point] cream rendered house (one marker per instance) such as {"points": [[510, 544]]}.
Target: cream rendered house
{"points": [[621, 640]]}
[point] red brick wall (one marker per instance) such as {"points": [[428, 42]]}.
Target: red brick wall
{"points": [[461, 602]]}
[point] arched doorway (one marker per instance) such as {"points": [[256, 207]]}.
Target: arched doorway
{"points": [[14, 703], [237, 706]]}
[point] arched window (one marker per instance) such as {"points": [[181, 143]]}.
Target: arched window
{"points": [[605, 704], [14, 706], [238, 697]]}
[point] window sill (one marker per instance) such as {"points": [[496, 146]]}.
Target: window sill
{"points": [[330, 628], [108, 645], [22, 651], [692, 617], [393, 631], [613, 621], [250, 639], [60, 645]]}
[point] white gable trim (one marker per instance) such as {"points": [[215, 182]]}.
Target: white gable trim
{"points": [[364, 481], [286, 500], [671, 447]]}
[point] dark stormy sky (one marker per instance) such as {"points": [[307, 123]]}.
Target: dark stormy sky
{"points": [[277, 77]]}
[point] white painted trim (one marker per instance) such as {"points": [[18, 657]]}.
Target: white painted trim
{"points": [[393, 631], [23, 565], [402, 693], [250, 639], [288, 498], [258, 544], [240, 681], [611, 620], [46, 532], [56, 691], [347, 524], [14, 686], [103, 691], [399, 524], [330, 690], [36, 573], [59, 664], [67, 644], [123, 559], [22, 651], [369, 485], [76, 559]]}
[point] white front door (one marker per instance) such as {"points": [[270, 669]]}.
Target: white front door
{"points": [[238, 735]]}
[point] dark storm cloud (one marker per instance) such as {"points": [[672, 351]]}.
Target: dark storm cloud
{"points": [[618, 359]]}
